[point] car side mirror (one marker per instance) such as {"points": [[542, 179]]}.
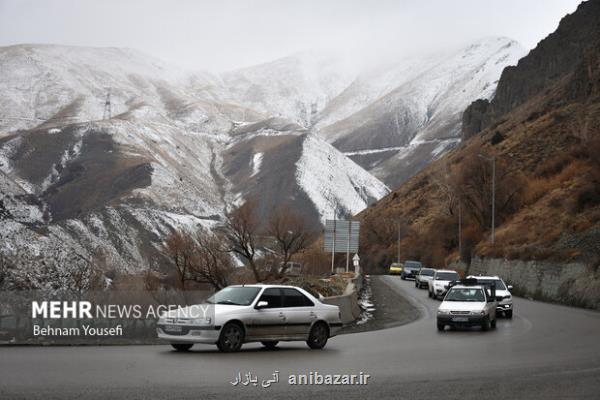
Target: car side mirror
{"points": [[510, 287], [261, 304]]}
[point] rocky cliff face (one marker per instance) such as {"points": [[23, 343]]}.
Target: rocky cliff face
{"points": [[552, 59], [543, 127]]}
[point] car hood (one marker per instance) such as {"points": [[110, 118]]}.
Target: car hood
{"points": [[462, 306], [502, 293], [201, 310]]}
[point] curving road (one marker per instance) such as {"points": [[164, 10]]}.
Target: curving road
{"points": [[546, 352]]}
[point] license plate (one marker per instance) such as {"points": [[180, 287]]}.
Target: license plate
{"points": [[172, 328], [460, 319]]}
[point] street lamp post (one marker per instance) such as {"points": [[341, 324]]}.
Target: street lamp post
{"points": [[493, 161], [398, 242]]}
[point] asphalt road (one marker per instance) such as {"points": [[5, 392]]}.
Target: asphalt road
{"points": [[545, 352]]}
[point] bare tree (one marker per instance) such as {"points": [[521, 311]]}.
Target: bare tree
{"points": [[211, 262], [446, 184], [197, 257], [241, 234], [473, 183], [180, 247], [291, 234]]}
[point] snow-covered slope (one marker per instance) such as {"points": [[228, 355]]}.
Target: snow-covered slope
{"points": [[332, 181], [425, 108], [295, 87], [58, 85], [181, 148]]}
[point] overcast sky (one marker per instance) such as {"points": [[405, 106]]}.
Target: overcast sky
{"points": [[226, 34]]}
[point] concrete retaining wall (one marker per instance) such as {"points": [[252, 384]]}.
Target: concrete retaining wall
{"points": [[573, 283], [348, 302]]}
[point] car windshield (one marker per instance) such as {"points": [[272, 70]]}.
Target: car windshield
{"points": [[427, 272], [236, 296], [447, 276], [460, 294], [412, 264], [499, 284]]}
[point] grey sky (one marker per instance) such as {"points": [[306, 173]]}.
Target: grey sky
{"points": [[226, 34]]}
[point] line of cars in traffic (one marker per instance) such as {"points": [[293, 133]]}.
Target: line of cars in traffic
{"points": [[472, 301]]}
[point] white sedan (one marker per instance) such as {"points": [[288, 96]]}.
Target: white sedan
{"points": [[252, 313]]}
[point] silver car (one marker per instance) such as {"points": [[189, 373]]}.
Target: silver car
{"points": [[252, 313]]}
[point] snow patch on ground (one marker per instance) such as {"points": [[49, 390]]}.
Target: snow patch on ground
{"points": [[256, 163]]}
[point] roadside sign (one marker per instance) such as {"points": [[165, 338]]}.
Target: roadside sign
{"points": [[341, 236]]}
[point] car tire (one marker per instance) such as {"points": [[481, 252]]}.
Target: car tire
{"points": [[231, 338], [416, 284], [493, 324], [429, 294], [182, 346], [485, 325], [270, 345], [441, 327], [403, 277], [508, 314], [318, 336]]}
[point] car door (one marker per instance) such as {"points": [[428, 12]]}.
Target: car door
{"points": [[300, 312], [268, 322]]}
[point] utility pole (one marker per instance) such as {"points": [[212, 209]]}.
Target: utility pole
{"points": [[493, 161], [348, 247], [459, 231], [398, 242], [334, 238]]}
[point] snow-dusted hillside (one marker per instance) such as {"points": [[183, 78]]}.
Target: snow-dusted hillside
{"points": [[425, 109], [295, 87], [181, 148], [334, 182]]}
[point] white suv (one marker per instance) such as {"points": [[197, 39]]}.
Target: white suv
{"points": [[251, 313], [503, 296], [438, 285], [468, 303]]}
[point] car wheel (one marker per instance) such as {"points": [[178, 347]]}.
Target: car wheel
{"points": [[416, 284], [429, 294], [182, 346], [441, 327], [485, 325], [403, 277], [508, 314], [231, 338], [493, 324], [317, 339], [270, 345]]}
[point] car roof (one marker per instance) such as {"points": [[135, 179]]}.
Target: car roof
{"points": [[467, 287], [445, 270], [261, 285], [484, 277]]}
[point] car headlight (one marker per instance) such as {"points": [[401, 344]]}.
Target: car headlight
{"points": [[202, 321], [482, 312], [443, 312]]}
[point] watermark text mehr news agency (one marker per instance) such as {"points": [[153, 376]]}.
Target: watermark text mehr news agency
{"points": [[85, 310]]}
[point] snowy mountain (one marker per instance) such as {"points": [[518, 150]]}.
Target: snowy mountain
{"points": [[395, 121], [177, 152], [181, 148]]}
